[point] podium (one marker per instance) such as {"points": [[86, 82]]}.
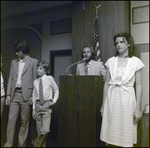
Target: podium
{"points": [[79, 118]]}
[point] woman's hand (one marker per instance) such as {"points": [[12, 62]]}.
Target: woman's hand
{"points": [[137, 115], [33, 114]]}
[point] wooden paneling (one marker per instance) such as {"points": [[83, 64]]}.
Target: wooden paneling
{"points": [[113, 17], [79, 111]]}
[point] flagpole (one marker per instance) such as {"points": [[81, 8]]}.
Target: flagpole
{"points": [[96, 8]]}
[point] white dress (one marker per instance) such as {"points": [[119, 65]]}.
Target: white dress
{"points": [[117, 123]]}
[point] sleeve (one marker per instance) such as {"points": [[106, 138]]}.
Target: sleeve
{"points": [[35, 69], [55, 89], [77, 70], [107, 63], [103, 70], [5, 80], [9, 85], [140, 65], [34, 94]]}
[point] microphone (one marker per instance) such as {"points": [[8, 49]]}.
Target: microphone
{"points": [[84, 60], [75, 64]]}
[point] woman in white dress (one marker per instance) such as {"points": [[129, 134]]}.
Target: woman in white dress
{"points": [[121, 108]]}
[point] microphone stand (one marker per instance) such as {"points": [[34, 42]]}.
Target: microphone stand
{"points": [[72, 65]]}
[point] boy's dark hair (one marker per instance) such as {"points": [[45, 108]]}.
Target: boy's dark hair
{"points": [[130, 41], [45, 65], [21, 45], [92, 51]]}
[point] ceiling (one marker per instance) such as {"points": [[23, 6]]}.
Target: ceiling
{"points": [[12, 4], [15, 9]]}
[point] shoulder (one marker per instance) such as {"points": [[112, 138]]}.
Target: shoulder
{"points": [[97, 63], [111, 59], [137, 61], [49, 77], [33, 59], [14, 60], [36, 81], [135, 58], [81, 64], [93, 61]]}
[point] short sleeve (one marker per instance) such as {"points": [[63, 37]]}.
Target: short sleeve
{"points": [[107, 63], [103, 70], [140, 65]]}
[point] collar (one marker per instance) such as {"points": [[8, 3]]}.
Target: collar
{"points": [[23, 60], [89, 63], [43, 77]]}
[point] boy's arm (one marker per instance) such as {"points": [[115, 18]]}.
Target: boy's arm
{"points": [[33, 102]]}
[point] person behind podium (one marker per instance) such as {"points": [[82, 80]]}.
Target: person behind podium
{"points": [[43, 96], [90, 66]]}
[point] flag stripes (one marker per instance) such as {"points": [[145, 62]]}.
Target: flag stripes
{"points": [[96, 41]]}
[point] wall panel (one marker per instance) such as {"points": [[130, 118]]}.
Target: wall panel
{"points": [[113, 17]]}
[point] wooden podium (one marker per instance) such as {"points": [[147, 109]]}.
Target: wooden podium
{"points": [[79, 118]]}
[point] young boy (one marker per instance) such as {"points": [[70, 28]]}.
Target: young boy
{"points": [[43, 99]]}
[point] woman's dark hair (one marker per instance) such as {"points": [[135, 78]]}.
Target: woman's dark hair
{"points": [[92, 51], [45, 65], [21, 45], [130, 41]]}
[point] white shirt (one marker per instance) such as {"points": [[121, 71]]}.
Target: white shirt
{"points": [[20, 70], [88, 64], [50, 89]]}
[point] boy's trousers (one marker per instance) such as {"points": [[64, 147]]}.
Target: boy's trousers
{"points": [[43, 120]]}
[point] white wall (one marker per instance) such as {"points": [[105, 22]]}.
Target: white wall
{"points": [[140, 32]]}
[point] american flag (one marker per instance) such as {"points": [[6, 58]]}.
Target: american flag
{"points": [[96, 41]]}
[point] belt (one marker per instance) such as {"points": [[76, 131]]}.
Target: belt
{"points": [[18, 88]]}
